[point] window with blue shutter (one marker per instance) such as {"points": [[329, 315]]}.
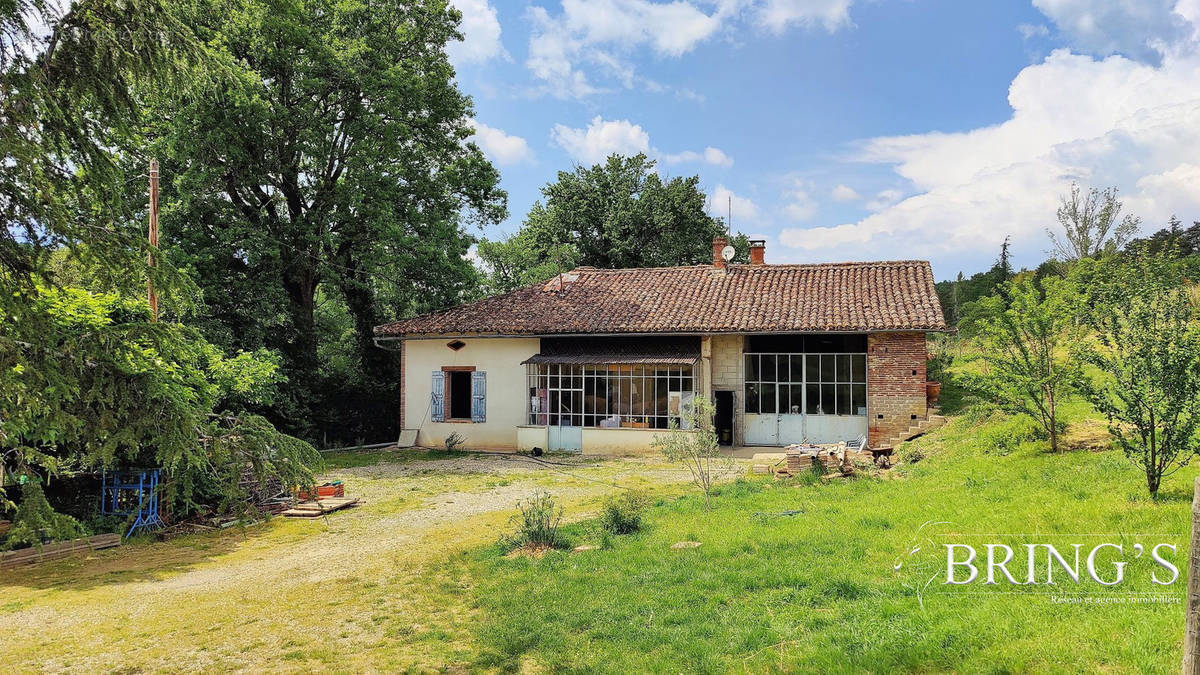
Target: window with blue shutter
{"points": [[438, 403], [478, 396]]}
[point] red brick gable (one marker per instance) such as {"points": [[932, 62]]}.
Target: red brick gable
{"points": [[868, 296]]}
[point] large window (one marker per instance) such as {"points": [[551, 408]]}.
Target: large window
{"points": [[817, 384], [608, 396]]}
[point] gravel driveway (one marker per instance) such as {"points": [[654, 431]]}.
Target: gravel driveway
{"points": [[238, 599]]}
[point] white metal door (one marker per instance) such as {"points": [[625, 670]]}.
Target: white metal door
{"points": [[761, 430]]}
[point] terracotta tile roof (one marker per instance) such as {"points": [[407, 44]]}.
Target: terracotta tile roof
{"points": [[868, 296]]}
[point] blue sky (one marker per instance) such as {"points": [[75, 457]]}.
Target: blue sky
{"points": [[847, 130]]}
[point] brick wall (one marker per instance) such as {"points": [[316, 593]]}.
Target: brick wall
{"points": [[895, 383]]}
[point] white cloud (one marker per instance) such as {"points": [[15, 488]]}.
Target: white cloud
{"points": [[1030, 30], [500, 147], [883, 199], [722, 200], [710, 155], [845, 193], [799, 205], [600, 31], [778, 15], [1175, 192], [1142, 29], [481, 33], [1099, 122], [600, 139], [607, 33]]}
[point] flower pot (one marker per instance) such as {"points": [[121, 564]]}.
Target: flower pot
{"points": [[932, 391]]}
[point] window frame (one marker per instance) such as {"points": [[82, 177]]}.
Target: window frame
{"points": [[839, 379], [609, 396], [446, 418]]}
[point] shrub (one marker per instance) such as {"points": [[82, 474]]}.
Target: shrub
{"points": [[622, 513], [536, 524], [454, 441], [35, 522]]}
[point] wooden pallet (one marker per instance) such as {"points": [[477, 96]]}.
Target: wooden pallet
{"points": [[59, 549], [311, 509]]}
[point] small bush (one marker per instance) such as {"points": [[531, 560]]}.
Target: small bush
{"points": [[36, 523], [536, 524], [622, 514], [454, 441]]}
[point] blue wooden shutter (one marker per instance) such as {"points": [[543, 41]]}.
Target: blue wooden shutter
{"points": [[438, 405], [478, 396]]}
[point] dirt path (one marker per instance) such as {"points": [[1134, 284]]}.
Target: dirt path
{"points": [[361, 589]]}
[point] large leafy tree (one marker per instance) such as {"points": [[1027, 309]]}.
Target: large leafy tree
{"points": [[1145, 359], [617, 214], [68, 74], [86, 378], [334, 163]]}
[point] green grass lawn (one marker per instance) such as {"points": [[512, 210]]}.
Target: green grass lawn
{"points": [[816, 591]]}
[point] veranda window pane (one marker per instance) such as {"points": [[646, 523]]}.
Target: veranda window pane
{"points": [[859, 363], [860, 399], [813, 365], [766, 402], [843, 402], [752, 367], [828, 400], [751, 398], [843, 368], [785, 372], [797, 368], [797, 398], [813, 403], [767, 368], [828, 363]]}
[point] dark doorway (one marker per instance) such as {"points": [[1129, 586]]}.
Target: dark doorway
{"points": [[459, 382], [724, 417]]}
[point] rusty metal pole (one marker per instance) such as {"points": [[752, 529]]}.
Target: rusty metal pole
{"points": [[1191, 634], [152, 296]]}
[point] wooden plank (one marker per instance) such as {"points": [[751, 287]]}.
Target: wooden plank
{"points": [[314, 509], [58, 550]]}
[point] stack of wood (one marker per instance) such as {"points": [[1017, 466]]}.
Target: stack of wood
{"points": [[265, 493], [319, 507], [801, 457]]}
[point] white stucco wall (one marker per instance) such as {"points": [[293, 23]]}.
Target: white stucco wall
{"points": [[622, 441], [500, 358]]}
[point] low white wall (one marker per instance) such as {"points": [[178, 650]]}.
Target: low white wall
{"points": [[622, 441], [500, 358], [529, 438]]}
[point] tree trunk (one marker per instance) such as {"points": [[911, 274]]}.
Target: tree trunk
{"points": [[300, 349], [360, 300], [1191, 635]]}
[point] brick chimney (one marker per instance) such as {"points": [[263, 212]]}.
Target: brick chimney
{"points": [[758, 249], [718, 244]]}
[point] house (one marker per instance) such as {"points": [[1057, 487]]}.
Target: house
{"points": [[600, 360]]}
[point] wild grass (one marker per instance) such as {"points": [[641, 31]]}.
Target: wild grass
{"points": [[816, 591]]}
